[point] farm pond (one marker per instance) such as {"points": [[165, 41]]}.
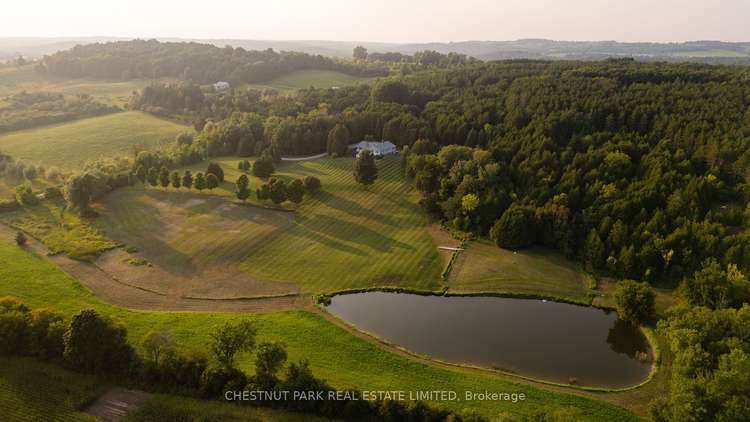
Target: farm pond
{"points": [[540, 339]]}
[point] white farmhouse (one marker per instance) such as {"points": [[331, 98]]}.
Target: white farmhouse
{"points": [[378, 149], [221, 86]]}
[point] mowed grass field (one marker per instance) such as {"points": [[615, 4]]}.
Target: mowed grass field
{"points": [[31, 390], [483, 267], [347, 236], [69, 145], [310, 78], [342, 358]]}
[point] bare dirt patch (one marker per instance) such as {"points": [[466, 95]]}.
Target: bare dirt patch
{"points": [[115, 404]]}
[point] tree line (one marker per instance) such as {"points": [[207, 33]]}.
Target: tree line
{"points": [[92, 343], [30, 109], [191, 61]]}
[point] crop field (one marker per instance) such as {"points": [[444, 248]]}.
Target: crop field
{"points": [[342, 358], [485, 267], [70, 145], [310, 78], [32, 390]]}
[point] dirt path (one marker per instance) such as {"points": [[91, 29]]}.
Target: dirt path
{"points": [[119, 293], [115, 404], [311, 157]]}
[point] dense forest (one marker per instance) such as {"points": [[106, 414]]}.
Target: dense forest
{"points": [[29, 109], [638, 170], [201, 63]]}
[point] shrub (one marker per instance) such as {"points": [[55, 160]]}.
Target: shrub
{"points": [[25, 196], [312, 185], [46, 333], [14, 326], [216, 170], [295, 191], [20, 239], [212, 182], [215, 382], [263, 167]]}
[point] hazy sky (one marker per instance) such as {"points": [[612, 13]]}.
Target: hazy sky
{"points": [[383, 20]]}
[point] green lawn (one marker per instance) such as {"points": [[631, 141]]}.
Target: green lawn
{"points": [[70, 145], [311, 78], [378, 235], [484, 267], [31, 390], [334, 354]]}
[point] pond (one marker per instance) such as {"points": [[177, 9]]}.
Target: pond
{"points": [[541, 339]]}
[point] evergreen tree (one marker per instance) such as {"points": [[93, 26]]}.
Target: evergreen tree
{"points": [[153, 176], [212, 182], [164, 177], [187, 179], [242, 190], [200, 181], [594, 251], [176, 182], [365, 169]]}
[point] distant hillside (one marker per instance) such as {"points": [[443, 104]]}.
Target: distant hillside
{"points": [[701, 51]]}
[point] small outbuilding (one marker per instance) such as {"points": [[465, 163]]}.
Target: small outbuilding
{"points": [[378, 149]]}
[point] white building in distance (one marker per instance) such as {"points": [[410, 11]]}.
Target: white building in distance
{"points": [[378, 149], [221, 86]]}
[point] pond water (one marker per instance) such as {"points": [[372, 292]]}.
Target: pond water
{"points": [[541, 339]]}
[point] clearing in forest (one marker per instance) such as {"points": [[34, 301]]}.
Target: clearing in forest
{"points": [[302, 79], [483, 267]]}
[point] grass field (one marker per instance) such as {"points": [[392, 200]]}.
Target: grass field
{"points": [[194, 242], [310, 78], [70, 145], [173, 408], [117, 93], [31, 390], [334, 354], [485, 267], [379, 234]]}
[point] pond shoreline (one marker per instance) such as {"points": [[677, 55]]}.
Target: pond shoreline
{"points": [[323, 300]]}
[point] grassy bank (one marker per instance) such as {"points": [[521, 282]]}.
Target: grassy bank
{"points": [[334, 354], [69, 145], [33, 390]]}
